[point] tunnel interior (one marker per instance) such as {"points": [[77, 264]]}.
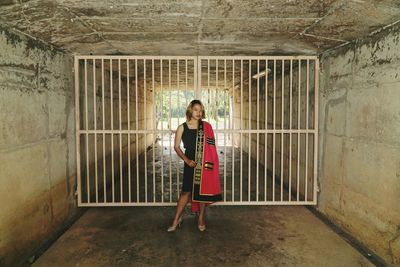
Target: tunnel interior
{"points": [[141, 64]]}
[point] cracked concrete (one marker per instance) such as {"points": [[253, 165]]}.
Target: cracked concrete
{"points": [[359, 165], [200, 27], [235, 236], [359, 142], [37, 147]]}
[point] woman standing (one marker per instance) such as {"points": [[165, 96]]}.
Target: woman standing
{"points": [[201, 183]]}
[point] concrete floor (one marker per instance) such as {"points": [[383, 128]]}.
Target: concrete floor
{"points": [[235, 236]]}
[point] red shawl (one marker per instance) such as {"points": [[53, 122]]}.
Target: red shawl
{"points": [[206, 183]]}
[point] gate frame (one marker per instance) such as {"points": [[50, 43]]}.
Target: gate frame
{"points": [[197, 94]]}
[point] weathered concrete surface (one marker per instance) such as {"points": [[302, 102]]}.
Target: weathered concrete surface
{"points": [[359, 150], [235, 236], [37, 144], [200, 27]]}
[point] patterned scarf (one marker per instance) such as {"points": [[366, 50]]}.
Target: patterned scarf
{"points": [[206, 181]]}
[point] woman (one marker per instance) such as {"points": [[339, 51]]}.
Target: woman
{"points": [[201, 182]]}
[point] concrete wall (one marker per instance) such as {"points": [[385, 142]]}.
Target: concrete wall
{"points": [[37, 139], [37, 144], [359, 149]]}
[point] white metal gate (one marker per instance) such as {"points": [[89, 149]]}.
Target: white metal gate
{"points": [[263, 111]]}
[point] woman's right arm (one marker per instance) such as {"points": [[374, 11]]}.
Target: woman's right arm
{"points": [[177, 147]]}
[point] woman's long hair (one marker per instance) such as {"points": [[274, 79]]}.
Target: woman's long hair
{"points": [[189, 109]]}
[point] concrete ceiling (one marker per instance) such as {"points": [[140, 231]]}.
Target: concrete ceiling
{"points": [[198, 27]]}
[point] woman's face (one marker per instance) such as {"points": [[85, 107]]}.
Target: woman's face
{"points": [[197, 112]]}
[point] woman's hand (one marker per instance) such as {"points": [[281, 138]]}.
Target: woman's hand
{"points": [[191, 163]]}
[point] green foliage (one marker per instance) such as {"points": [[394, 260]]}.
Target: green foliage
{"points": [[174, 104]]}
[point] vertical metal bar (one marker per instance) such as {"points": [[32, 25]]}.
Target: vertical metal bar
{"points": [[258, 123], [229, 121], [87, 137], [169, 131], [306, 163], [217, 104], [162, 133], [298, 133], [177, 162], [177, 86], [282, 122], [217, 99], [104, 135], [129, 128], [266, 134], [208, 87], [241, 130], [233, 128], [316, 102], [197, 80], [137, 128], [95, 128], [78, 129], [208, 84], [273, 136], [225, 96], [249, 179], [112, 132], [290, 130], [145, 127], [154, 129], [120, 128], [186, 81]]}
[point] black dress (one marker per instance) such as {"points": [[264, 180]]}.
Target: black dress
{"points": [[189, 143]]}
